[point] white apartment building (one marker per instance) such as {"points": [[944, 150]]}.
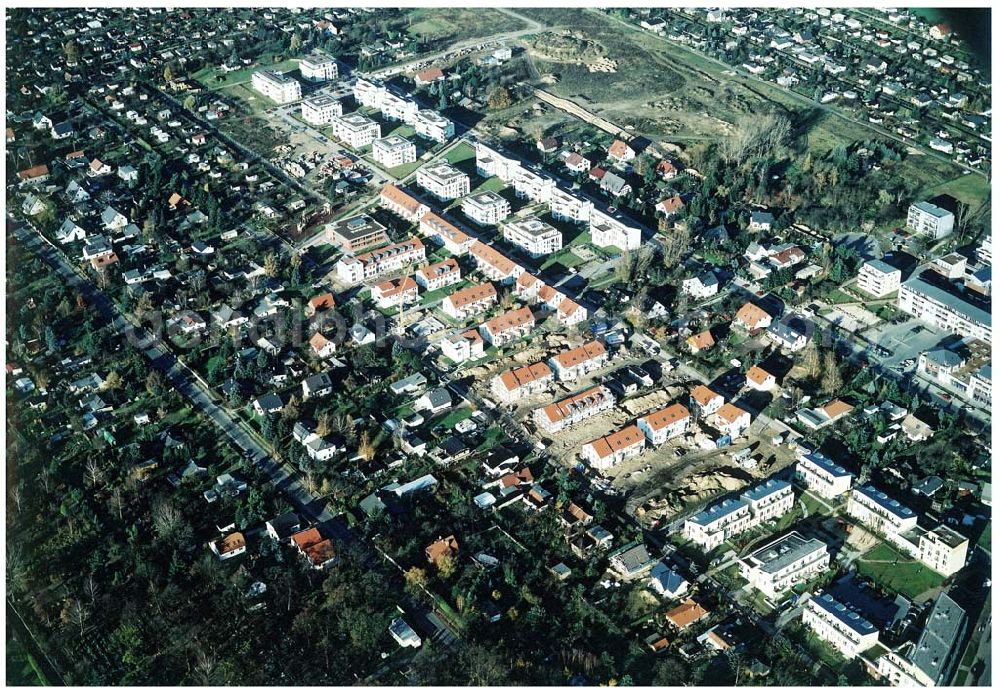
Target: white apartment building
{"points": [[716, 524], [432, 125], [607, 231], [354, 269], [879, 512], [930, 220], [521, 382], [566, 207], [534, 236], [490, 163], [613, 448], [577, 362], [469, 301], [486, 208], [878, 278], [369, 93], [943, 309], [839, 626], [277, 87], [665, 424], [356, 130], [443, 181], [943, 550], [557, 416], [437, 275], [399, 108], [534, 187], [778, 566], [318, 67], [463, 346], [321, 109], [394, 151], [443, 232], [819, 474]]}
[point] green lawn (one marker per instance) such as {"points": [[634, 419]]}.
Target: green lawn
{"points": [[813, 505], [494, 183], [435, 295], [565, 257], [404, 170], [970, 188], [207, 76], [837, 296], [460, 153], [897, 572], [257, 102], [454, 417], [402, 130]]}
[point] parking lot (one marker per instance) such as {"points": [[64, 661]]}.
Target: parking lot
{"points": [[905, 341]]}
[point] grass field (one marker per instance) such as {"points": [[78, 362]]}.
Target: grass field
{"points": [[460, 153], [454, 24], [564, 256], [970, 189], [258, 103], [897, 572], [985, 537], [404, 170], [454, 417], [207, 76], [494, 183]]}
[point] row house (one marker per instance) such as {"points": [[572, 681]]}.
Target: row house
{"points": [[774, 569], [518, 383], [469, 301], [879, 512], [493, 264], [665, 424], [612, 449], [440, 231], [354, 269], [576, 408], [508, 327], [839, 626], [819, 474], [402, 204], [569, 313], [577, 362], [395, 293], [716, 524], [463, 346], [437, 275]]}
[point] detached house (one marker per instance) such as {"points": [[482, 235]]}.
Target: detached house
{"points": [[760, 380], [701, 287], [463, 346], [316, 385], [621, 151], [730, 420], [705, 401], [113, 220], [751, 317]]}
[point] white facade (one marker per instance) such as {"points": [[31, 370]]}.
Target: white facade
{"points": [[880, 513], [569, 208], [838, 626], [279, 88], [613, 448], [665, 424], [394, 151], [433, 126], [577, 362], [774, 569], [356, 130], [521, 382], [354, 269], [944, 310], [486, 208], [534, 187], [490, 163], [534, 236], [437, 275], [930, 220], [714, 525], [576, 408], [821, 475], [607, 231], [443, 181], [878, 278], [462, 347], [321, 109], [318, 67]]}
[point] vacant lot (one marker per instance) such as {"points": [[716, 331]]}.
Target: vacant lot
{"points": [[897, 572], [440, 24]]}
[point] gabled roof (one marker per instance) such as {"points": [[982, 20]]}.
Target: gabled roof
{"points": [[578, 355], [521, 376], [702, 395], [614, 442], [751, 315], [759, 376], [666, 417], [685, 614]]}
